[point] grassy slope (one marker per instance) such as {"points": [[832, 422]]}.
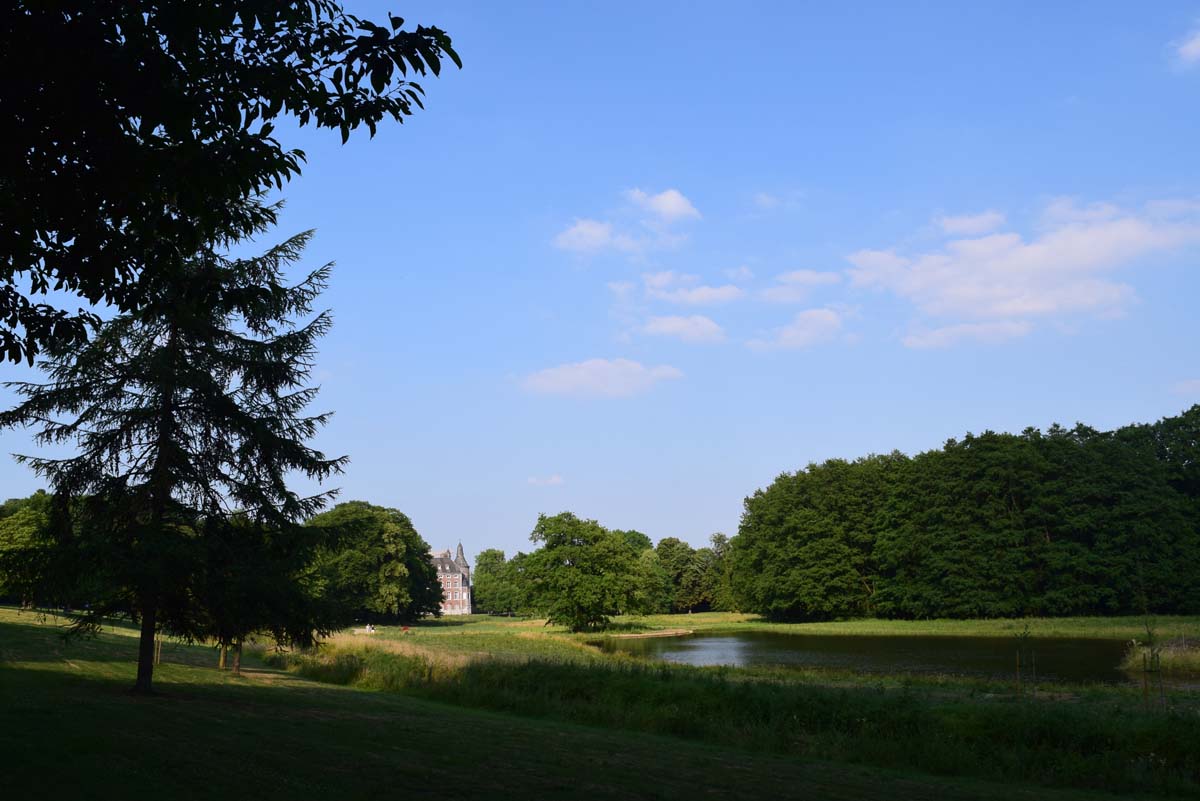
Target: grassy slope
{"points": [[69, 729]]}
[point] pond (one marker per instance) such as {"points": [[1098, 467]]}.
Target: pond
{"points": [[1057, 659]]}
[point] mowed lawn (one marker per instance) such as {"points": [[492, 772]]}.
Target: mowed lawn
{"points": [[69, 729]]}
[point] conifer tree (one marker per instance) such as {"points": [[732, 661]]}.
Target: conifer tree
{"points": [[189, 409]]}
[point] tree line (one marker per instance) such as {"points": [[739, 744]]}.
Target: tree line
{"points": [[234, 577], [1063, 522], [583, 573]]}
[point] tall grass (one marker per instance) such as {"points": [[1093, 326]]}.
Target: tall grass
{"points": [[1107, 628], [1179, 657], [1066, 744]]}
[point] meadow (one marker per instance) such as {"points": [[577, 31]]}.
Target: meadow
{"points": [[1085, 736], [512, 708]]}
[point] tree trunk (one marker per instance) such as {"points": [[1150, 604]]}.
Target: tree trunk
{"points": [[237, 659], [145, 669], [224, 649]]}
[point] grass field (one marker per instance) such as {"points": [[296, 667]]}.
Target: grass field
{"points": [[508, 709], [71, 730]]}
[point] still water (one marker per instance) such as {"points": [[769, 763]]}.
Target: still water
{"points": [[1061, 659]]}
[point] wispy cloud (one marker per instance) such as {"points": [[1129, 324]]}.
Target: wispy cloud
{"points": [[796, 286], [1189, 388], [591, 236], [599, 378], [1188, 50], [971, 224], [655, 215], [684, 289], [549, 481], [696, 328], [991, 333], [1066, 269], [807, 328], [766, 201], [740, 273]]}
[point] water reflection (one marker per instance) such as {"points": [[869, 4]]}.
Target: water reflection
{"points": [[1058, 659]]}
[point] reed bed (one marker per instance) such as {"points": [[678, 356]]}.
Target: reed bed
{"points": [[1081, 745]]}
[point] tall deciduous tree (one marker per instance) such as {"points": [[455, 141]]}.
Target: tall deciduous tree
{"points": [[675, 557], [24, 546], [376, 565], [191, 407], [583, 573], [135, 130], [494, 588]]}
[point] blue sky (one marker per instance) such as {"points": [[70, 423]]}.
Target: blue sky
{"points": [[637, 259]]}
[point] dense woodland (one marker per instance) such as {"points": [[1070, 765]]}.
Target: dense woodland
{"points": [[1062, 522], [583, 573]]}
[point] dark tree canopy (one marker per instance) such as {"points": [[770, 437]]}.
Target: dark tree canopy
{"points": [[375, 566], [192, 407], [135, 131], [1063, 522]]}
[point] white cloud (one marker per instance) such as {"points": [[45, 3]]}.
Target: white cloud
{"points": [[604, 378], [808, 278], [1062, 210], [1189, 49], [669, 205], [590, 236], [680, 288], [741, 273], [695, 328], [549, 481], [1190, 388], [809, 327], [794, 287], [1066, 269], [971, 224], [667, 278], [654, 232], [701, 295], [990, 332]]}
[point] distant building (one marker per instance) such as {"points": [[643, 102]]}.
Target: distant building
{"points": [[455, 576]]}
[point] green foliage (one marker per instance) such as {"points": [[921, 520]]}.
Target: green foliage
{"points": [[675, 556], [496, 584], [638, 541], [654, 588], [1066, 522], [25, 545], [180, 412], [141, 147], [256, 578], [376, 566], [583, 574]]}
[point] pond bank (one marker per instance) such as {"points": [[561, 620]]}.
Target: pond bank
{"points": [[652, 634]]}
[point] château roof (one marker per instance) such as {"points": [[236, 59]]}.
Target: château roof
{"points": [[447, 564]]}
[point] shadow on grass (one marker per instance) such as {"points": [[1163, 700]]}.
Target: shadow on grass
{"points": [[48, 641]]}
